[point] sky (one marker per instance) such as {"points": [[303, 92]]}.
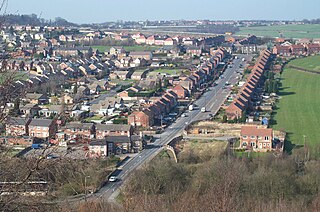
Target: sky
{"points": [[98, 11]]}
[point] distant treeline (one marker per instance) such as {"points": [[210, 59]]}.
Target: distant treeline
{"points": [[33, 20]]}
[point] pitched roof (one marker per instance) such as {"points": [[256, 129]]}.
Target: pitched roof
{"points": [[113, 127], [17, 121], [41, 122], [255, 131]]}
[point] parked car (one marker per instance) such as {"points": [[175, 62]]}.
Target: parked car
{"points": [[112, 179]]}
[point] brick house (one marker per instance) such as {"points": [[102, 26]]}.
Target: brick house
{"points": [[169, 42], [142, 118], [79, 130], [282, 50], [17, 126], [242, 102], [194, 51], [147, 55], [150, 40], [141, 40], [297, 49], [105, 130], [255, 138], [98, 148], [180, 91], [42, 128], [312, 48], [235, 110]]}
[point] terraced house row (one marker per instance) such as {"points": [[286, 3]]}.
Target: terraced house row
{"points": [[183, 87], [244, 97]]}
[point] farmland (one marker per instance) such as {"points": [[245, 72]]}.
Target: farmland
{"points": [[298, 111], [309, 63], [287, 31]]}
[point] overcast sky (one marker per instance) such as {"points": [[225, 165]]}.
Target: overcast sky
{"points": [[97, 11]]}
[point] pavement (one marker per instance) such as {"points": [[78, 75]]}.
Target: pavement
{"points": [[212, 100]]}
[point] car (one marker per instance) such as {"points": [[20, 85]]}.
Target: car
{"points": [[112, 179]]}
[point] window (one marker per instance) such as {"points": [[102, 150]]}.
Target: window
{"points": [[253, 144], [266, 138], [244, 137], [252, 137], [264, 144], [244, 144]]}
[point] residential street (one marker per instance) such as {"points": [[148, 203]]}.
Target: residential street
{"points": [[212, 100]]}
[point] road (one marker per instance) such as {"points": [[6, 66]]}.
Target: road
{"points": [[212, 100]]}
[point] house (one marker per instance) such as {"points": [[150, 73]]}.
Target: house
{"points": [[119, 144], [150, 40], [282, 50], [106, 130], [42, 128], [30, 110], [242, 102], [98, 148], [129, 92], [159, 41], [77, 130], [51, 111], [194, 51], [94, 88], [181, 92], [141, 39], [17, 126], [124, 74], [35, 98], [312, 48], [169, 42], [142, 118], [297, 49], [110, 102], [189, 42], [138, 75], [235, 110], [116, 50], [147, 55], [255, 138]]}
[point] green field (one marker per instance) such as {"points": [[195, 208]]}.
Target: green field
{"points": [[309, 63], [134, 48], [288, 31], [298, 110]]}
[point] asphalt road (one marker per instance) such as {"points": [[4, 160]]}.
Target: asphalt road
{"points": [[212, 100]]}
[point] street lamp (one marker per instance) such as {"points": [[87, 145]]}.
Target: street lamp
{"points": [[85, 188]]}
